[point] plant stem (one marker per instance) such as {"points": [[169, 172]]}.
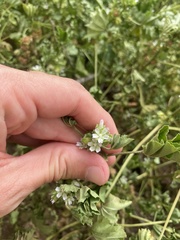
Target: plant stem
{"points": [[142, 224], [170, 64], [95, 66], [110, 86], [125, 153], [139, 218], [129, 152], [63, 229], [134, 132], [170, 214], [143, 141], [164, 164], [67, 236], [174, 129]]}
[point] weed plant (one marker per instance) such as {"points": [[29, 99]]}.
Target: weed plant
{"points": [[126, 53]]}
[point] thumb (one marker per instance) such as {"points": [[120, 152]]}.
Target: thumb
{"points": [[22, 175]]}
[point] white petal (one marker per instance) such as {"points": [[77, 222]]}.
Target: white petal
{"points": [[98, 149], [100, 140], [64, 196], [76, 183], [94, 135], [57, 189], [92, 149], [101, 123], [58, 195], [79, 144]]}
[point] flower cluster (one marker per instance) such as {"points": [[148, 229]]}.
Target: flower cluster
{"points": [[99, 138], [66, 193]]}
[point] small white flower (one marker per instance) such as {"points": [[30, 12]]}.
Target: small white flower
{"points": [[36, 68], [52, 201], [64, 196], [123, 180], [76, 183], [57, 189], [101, 135], [79, 144], [69, 201], [58, 195], [101, 132], [101, 123], [98, 138], [94, 146]]}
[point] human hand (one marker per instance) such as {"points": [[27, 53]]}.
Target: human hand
{"points": [[31, 106]]}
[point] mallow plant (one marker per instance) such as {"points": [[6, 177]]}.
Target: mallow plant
{"points": [[96, 206]]}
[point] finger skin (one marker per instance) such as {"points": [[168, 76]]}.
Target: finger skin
{"points": [[50, 162], [31, 106], [51, 97], [28, 96]]}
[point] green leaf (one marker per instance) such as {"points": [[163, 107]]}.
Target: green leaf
{"points": [[167, 149], [176, 216], [176, 140], [162, 134], [29, 9], [93, 193], [120, 141], [83, 194], [25, 236], [99, 21], [145, 234], [102, 193], [69, 188], [14, 216], [93, 206], [104, 230], [114, 203], [174, 157], [176, 176], [137, 77], [152, 147], [98, 24], [161, 146], [80, 66]]}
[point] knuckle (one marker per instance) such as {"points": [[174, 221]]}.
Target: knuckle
{"points": [[58, 163]]}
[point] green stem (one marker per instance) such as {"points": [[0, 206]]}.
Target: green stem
{"points": [[142, 224], [125, 153], [108, 89], [69, 235], [95, 66], [139, 218], [141, 97], [170, 214], [129, 152], [146, 174], [164, 164], [174, 129], [143, 141], [170, 64], [134, 132], [110, 86], [63, 229]]}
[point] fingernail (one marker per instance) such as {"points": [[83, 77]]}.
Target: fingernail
{"points": [[96, 175]]}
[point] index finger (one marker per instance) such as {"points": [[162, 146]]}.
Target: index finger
{"points": [[55, 97]]}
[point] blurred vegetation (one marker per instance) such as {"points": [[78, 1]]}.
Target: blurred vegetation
{"points": [[127, 54]]}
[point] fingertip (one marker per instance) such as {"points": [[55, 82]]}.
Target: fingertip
{"points": [[111, 160], [98, 175]]}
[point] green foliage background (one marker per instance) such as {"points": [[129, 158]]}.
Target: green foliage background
{"points": [[127, 54]]}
